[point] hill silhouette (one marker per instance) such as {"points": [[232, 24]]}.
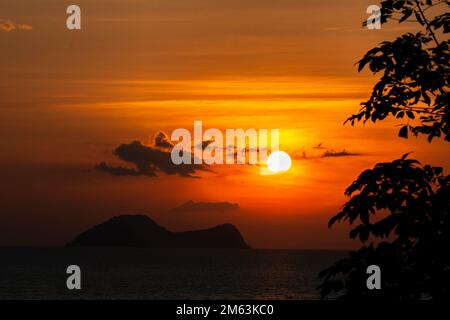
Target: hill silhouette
{"points": [[141, 231]]}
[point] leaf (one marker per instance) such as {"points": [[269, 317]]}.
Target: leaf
{"points": [[400, 115], [410, 114], [406, 14], [403, 133], [405, 155], [419, 18]]}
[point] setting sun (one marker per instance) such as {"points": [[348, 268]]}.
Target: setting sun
{"points": [[279, 161]]}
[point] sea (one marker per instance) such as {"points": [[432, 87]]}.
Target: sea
{"points": [[136, 273]]}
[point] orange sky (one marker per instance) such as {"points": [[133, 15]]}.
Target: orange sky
{"points": [[68, 98]]}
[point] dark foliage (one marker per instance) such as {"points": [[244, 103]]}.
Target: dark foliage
{"points": [[414, 72], [400, 209], [414, 232]]}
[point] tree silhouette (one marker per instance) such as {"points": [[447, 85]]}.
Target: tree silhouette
{"points": [[401, 208]]}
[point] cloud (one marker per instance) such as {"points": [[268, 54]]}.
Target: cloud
{"points": [[192, 206], [8, 25], [121, 171], [312, 154], [231, 150], [149, 160], [319, 146], [206, 143], [202, 145], [343, 153], [162, 140]]}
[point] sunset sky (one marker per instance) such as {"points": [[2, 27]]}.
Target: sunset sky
{"points": [[68, 98]]}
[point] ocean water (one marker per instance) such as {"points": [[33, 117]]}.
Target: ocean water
{"points": [[129, 273]]}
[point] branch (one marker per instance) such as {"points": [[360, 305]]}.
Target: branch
{"points": [[427, 24]]}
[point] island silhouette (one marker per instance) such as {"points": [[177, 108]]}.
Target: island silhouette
{"points": [[142, 232]]}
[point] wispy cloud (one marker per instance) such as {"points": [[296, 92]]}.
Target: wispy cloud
{"points": [[8, 25], [335, 154], [329, 153]]}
